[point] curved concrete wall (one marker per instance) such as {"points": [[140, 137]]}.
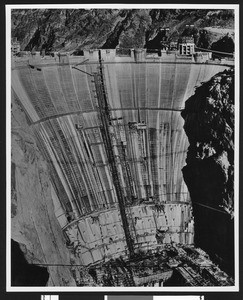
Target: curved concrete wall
{"points": [[100, 236], [58, 99]]}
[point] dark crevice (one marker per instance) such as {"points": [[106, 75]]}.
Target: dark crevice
{"points": [[113, 39], [24, 274], [35, 41], [156, 42]]}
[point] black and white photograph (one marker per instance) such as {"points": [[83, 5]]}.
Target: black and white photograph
{"points": [[123, 143]]}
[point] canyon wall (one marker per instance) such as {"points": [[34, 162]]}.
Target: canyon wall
{"points": [[33, 223], [209, 170], [69, 29]]}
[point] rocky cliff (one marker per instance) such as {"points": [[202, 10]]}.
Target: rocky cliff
{"points": [[33, 223], [69, 29], [209, 173]]}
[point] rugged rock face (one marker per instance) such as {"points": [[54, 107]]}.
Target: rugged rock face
{"points": [[69, 29], [209, 173], [225, 44], [33, 224]]}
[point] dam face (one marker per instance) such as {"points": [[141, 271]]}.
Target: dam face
{"points": [[110, 127]]}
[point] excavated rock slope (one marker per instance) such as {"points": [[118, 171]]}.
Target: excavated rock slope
{"points": [[33, 222], [69, 29], [209, 173]]}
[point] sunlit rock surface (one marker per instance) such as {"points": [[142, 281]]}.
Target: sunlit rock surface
{"points": [[69, 29], [33, 222]]}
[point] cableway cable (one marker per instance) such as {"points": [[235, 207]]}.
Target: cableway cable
{"points": [[210, 50], [212, 208]]}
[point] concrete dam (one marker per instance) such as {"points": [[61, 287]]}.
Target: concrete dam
{"points": [[109, 125]]}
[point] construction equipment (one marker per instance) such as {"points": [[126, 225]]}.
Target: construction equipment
{"points": [[105, 118]]}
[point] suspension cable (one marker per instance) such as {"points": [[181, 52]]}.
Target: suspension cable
{"points": [[210, 50]]}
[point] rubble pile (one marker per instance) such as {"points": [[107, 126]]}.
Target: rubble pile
{"points": [[168, 265]]}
